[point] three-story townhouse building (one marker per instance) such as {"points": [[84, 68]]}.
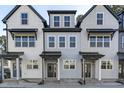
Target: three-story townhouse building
{"points": [[63, 49]]}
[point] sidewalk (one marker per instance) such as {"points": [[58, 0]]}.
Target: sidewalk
{"points": [[60, 85]]}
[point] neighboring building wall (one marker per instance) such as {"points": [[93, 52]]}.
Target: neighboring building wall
{"points": [[29, 53], [72, 18], [67, 53], [110, 53]]}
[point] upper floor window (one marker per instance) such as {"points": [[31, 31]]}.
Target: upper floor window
{"points": [[72, 40], [51, 41], [100, 41], [107, 41], [92, 41], [56, 21], [62, 41], [24, 18], [31, 41], [99, 18], [24, 41], [18, 41], [122, 41], [67, 21]]}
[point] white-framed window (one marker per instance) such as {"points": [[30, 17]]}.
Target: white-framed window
{"points": [[72, 41], [106, 65], [62, 40], [17, 41], [69, 64], [24, 18], [51, 41], [32, 41], [25, 41], [107, 41], [66, 21], [33, 64], [56, 21], [92, 41], [100, 41], [122, 41], [99, 18]]}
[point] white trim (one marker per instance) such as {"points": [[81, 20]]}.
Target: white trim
{"points": [[65, 41], [21, 18], [69, 63], [102, 41], [48, 41], [75, 41], [59, 21], [103, 18], [68, 21]]}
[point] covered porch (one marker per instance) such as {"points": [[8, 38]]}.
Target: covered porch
{"points": [[11, 65], [88, 65], [51, 65]]}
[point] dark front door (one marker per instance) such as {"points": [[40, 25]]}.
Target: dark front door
{"points": [[14, 69], [121, 69], [51, 69], [87, 70]]}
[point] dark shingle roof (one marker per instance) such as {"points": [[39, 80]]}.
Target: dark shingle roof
{"points": [[61, 11]]}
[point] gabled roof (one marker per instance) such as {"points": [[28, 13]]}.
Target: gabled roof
{"points": [[17, 7], [90, 10]]}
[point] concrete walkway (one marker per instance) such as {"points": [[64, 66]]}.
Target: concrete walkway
{"points": [[60, 85]]}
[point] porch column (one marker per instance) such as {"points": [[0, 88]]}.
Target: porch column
{"points": [[2, 67], [99, 70], [43, 69], [58, 66], [17, 68]]}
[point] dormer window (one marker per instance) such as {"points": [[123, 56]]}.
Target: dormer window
{"points": [[24, 18], [99, 18], [56, 21], [67, 21]]}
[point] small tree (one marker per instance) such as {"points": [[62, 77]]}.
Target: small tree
{"points": [[117, 8], [79, 17]]}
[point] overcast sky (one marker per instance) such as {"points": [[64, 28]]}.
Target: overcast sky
{"points": [[42, 9]]}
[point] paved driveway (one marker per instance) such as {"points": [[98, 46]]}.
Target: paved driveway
{"points": [[60, 85]]}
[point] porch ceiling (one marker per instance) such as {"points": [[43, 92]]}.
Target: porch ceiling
{"points": [[11, 55], [51, 54], [91, 55]]}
